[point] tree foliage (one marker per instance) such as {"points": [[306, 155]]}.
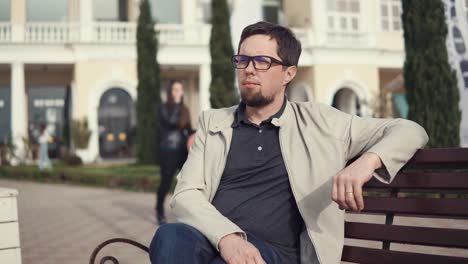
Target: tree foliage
{"points": [[148, 101], [431, 84], [222, 89]]}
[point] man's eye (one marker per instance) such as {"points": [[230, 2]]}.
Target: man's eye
{"points": [[262, 60]]}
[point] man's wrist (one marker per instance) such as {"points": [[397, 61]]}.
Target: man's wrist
{"points": [[229, 237], [372, 159]]}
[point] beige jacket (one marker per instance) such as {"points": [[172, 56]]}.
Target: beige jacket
{"points": [[316, 142]]}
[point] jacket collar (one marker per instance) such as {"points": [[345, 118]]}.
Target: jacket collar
{"points": [[224, 120]]}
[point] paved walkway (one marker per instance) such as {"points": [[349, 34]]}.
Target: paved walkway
{"points": [[63, 224]]}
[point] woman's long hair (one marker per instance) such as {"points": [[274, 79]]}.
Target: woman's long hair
{"points": [[184, 114]]}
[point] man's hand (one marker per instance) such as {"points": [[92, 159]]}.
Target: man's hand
{"points": [[234, 250], [347, 184]]}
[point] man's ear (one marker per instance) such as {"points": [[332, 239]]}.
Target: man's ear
{"points": [[289, 74]]}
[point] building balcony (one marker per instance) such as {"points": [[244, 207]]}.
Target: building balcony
{"points": [[99, 32], [348, 39]]}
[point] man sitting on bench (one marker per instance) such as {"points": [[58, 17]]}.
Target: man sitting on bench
{"points": [[261, 177]]}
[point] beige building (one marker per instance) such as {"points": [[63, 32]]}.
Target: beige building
{"points": [[63, 60]]}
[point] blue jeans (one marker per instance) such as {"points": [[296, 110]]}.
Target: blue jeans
{"points": [[181, 244]]}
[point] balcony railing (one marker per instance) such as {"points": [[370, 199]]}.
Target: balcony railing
{"points": [[311, 38], [5, 32], [99, 32], [51, 32], [349, 38], [168, 34], [114, 32]]}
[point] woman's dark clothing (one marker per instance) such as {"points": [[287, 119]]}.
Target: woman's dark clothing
{"points": [[173, 150]]}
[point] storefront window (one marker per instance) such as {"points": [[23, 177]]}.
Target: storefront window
{"points": [[5, 115], [48, 106], [116, 124]]}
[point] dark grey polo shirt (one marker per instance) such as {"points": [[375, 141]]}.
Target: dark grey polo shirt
{"points": [[254, 191]]}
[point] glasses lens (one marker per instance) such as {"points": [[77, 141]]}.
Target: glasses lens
{"points": [[262, 62], [240, 61]]}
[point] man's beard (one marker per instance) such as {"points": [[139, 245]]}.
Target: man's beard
{"points": [[256, 99]]}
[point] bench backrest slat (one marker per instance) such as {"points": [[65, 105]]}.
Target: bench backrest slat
{"points": [[372, 256], [408, 234], [452, 181], [441, 155], [417, 206]]}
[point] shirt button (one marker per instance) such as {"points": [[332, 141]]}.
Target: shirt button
{"points": [[260, 131], [259, 148]]}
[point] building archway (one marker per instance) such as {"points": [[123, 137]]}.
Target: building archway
{"points": [[299, 91], [116, 124], [346, 100]]}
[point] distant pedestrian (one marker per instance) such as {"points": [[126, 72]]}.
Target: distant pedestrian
{"points": [[175, 128], [44, 161]]}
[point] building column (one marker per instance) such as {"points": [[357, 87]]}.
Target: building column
{"points": [[18, 113], [18, 19], [204, 87], [188, 12], [86, 20], [189, 19], [319, 11], [244, 13]]}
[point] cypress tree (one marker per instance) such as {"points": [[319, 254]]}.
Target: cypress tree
{"points": [[148, 101], [431, 83], [222, 90]]}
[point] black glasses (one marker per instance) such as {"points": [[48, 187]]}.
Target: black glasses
{"points": [[262, 62]]}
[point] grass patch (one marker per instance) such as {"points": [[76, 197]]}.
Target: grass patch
{"points": [[128, 177]]}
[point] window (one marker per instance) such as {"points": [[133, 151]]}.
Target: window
{"points": [[5, 10], [5, 114], [205, 10], [390, 13], [47, 105], [272, 11], [110, 10], [47, 10], [166, 12], [343, 15]]}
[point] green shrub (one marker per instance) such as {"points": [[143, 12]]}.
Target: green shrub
{"points": [[129, 177], [80, 133]]}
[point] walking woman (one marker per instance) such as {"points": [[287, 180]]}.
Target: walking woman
{"points": [[175, 128], [44, 161]]}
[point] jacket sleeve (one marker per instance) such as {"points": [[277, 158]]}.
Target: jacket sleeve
{"points": [[394, 140], [190, 202]]}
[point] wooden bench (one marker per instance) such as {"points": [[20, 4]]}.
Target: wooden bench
{"points": [[433, 185]]}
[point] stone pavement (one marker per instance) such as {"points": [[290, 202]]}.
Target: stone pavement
{"points": [[63, 224]]}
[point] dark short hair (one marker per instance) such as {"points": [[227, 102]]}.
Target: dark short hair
{"points": [[289, 47]]}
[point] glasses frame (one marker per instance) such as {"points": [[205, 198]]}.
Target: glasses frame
{"points": [[252, 59]]}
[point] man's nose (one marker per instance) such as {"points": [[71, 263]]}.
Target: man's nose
{"points": [[250, 67]]}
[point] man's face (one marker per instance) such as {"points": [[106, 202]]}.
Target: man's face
{"points": [[260, 88]]}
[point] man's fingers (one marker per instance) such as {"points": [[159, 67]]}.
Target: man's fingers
{"points": [[350, 198], [335, 191], [358, 196], [341, 194], [259, 260]]}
